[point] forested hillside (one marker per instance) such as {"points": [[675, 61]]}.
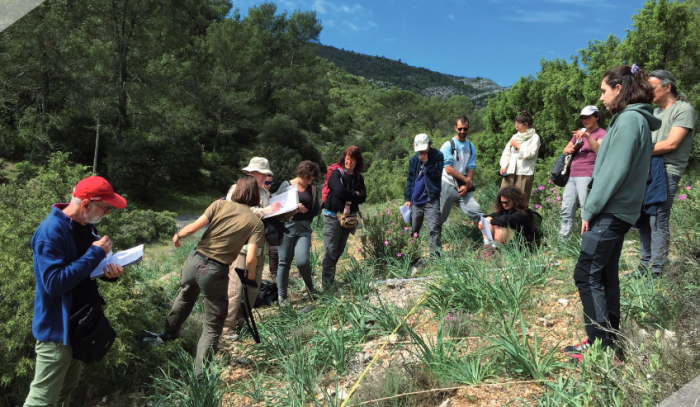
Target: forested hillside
{"points": [[387, 72], [181, 95]]}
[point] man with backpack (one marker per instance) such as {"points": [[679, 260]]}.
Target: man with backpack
{"points": [[459, 164], [423, 186]]}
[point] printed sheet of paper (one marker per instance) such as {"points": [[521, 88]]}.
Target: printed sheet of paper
{"points": [[487, 228], [406, 213], [123, 258], [289, 199]]}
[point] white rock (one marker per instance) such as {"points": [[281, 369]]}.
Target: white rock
{"points": [[414, 271], [669, 334], [446, 403], [563, 301]]}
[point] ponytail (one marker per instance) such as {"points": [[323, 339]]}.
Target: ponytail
{"points": [[635, 87]]}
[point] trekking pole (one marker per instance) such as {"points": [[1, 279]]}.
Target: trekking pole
{"points": [[247, 309]]}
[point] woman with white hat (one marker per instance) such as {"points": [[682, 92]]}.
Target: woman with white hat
{"points": [[584, 146]]}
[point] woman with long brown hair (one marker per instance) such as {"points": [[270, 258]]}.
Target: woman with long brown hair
{"points": [[614, 201], [346, 192], [511, 217]]}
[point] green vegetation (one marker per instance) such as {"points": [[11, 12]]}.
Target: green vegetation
{"points": [[182, 101]]}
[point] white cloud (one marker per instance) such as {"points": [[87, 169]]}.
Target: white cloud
{"points": [[529, 16], [451, 17], [372, 24], [328, 23], [319, 6]]}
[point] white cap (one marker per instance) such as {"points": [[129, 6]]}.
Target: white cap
{"points": [[589, 110], [421, 142], [258, 164]]}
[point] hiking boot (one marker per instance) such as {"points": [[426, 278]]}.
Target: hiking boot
{"points": [[231, 337], [578, 348], [284, 302]]}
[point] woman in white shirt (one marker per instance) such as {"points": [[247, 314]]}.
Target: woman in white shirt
{"points": [[520, 155]]}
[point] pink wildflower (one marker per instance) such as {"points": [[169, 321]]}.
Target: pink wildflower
{"points": [[549, 181], [538, 206], [398, 255], [682, 197], [387, 232], [548, 200], [415, 235], [688, 187], [540, 188], [406, 228], [413, 241], [386, 243], [392, 223]]}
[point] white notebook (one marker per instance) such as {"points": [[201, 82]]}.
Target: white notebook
{"points": [[123, 258]]}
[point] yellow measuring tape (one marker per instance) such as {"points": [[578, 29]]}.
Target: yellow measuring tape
{"points": [[376, 355]]}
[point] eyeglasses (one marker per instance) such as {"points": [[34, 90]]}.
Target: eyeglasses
{"points": [[268, 182], [105, 209], [504, 202], [462, 128]]}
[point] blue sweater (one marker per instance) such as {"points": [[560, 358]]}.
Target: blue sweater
{"points": [[433, 174], [58, 270]]}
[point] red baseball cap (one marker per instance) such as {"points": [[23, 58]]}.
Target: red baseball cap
{"points": [[98, 189]]}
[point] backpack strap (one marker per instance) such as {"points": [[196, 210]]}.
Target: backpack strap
{"points": [[454, 149]]}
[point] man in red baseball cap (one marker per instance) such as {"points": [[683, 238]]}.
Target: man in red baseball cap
{"points": [[66, 250]]}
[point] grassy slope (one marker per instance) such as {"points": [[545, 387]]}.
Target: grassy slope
{"points": [[487, 332]]}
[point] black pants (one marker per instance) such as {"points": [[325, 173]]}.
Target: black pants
{"points": [[596, 276]]}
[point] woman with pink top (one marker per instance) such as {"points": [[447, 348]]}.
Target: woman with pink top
{"points": [[584, 146]]}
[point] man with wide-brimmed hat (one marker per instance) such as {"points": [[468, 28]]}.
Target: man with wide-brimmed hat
{"points": [[66, 249]]}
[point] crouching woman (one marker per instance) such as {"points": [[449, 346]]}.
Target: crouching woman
{"points": [[512, 218]]}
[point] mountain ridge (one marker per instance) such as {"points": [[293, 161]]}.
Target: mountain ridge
{"points": [[385, 72]]}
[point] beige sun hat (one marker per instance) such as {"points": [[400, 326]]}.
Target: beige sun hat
{"points": [[260, 165]]}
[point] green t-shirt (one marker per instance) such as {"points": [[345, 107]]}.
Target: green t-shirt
{"points": [[679, 114]]}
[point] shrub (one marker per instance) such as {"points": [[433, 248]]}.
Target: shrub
{"points": [[22, 208], [386, 180], [130, 226], [386, 236]]}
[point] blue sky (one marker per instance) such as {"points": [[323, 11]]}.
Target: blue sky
{"points": [[496, 39]]}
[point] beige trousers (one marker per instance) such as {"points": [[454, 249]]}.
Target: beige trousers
{"points": [[236, 316]]}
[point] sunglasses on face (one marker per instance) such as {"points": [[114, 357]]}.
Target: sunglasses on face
{"points": [[504, 202], [462, 128], [268, 182]]}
